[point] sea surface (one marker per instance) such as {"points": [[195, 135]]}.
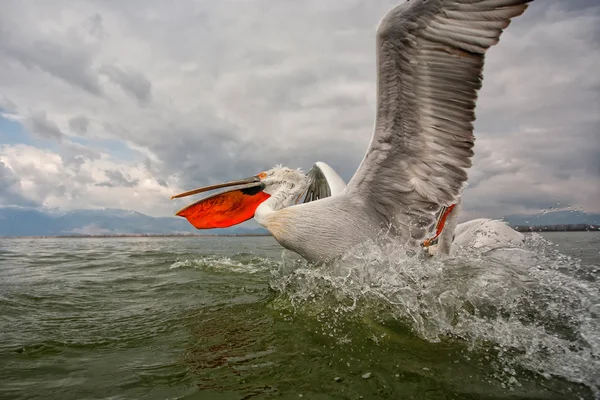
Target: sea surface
{"points": [[240, 318]]}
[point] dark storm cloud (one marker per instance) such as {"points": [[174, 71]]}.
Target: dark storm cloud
{"points": [[7, 105], [133, 83], [578, 5], [227, 89], [38, 124], [79, 124], [117, 178], [95, 26], [537, 132], [71, 65], [324, 91], [209, 154]]}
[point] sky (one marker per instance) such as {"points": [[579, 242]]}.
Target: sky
{"points": [[123, 104]]}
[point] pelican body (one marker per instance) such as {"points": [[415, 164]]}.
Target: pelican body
{"points": [[430, 57]]}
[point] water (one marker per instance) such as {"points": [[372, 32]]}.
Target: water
{"points": [[239, 318]]}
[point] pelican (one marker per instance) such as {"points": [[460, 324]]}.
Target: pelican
{"points": [[430, 57]]}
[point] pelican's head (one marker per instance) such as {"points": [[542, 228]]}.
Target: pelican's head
{"points": [[233, 206]]}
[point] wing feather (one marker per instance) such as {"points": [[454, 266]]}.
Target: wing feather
{"points": [[430, 57], [324, 182]]}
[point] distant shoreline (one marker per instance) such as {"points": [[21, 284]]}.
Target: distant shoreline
{"points": [[558, 228]]}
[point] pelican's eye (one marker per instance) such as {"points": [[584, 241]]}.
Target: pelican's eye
{"points": [[262, 175]]}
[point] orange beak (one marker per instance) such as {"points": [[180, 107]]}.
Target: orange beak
{"points": [[225, 209]]}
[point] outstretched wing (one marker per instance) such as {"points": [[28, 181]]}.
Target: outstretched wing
{"points": [[430, 56], [324, 182]]}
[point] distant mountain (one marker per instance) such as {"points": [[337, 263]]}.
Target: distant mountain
{"points": [[566, 217], [19, 221]]}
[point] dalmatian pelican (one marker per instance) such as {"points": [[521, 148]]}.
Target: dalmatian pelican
{"points": [[430, 57]]}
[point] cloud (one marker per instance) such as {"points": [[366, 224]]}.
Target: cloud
{"points": [[38, 124], [95, 26], [79, 124], [51, 180], [7, 105], [117, 178], [170, 98], [10, 188], [74, 155], [132, 82], [62, 55]]}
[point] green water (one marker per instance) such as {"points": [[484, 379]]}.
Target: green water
{"points": [[237, 318]]}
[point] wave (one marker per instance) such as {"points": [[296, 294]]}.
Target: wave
{"points": [[535, 307], [237, 264]]}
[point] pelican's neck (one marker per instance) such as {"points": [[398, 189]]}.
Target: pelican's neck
{"points": [[285, 196]]}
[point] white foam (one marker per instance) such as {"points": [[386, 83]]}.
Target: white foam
{"points": [[526, 299], [237, 264]]}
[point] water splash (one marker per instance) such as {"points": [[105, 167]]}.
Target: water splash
{"points": [[532, 302]]}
